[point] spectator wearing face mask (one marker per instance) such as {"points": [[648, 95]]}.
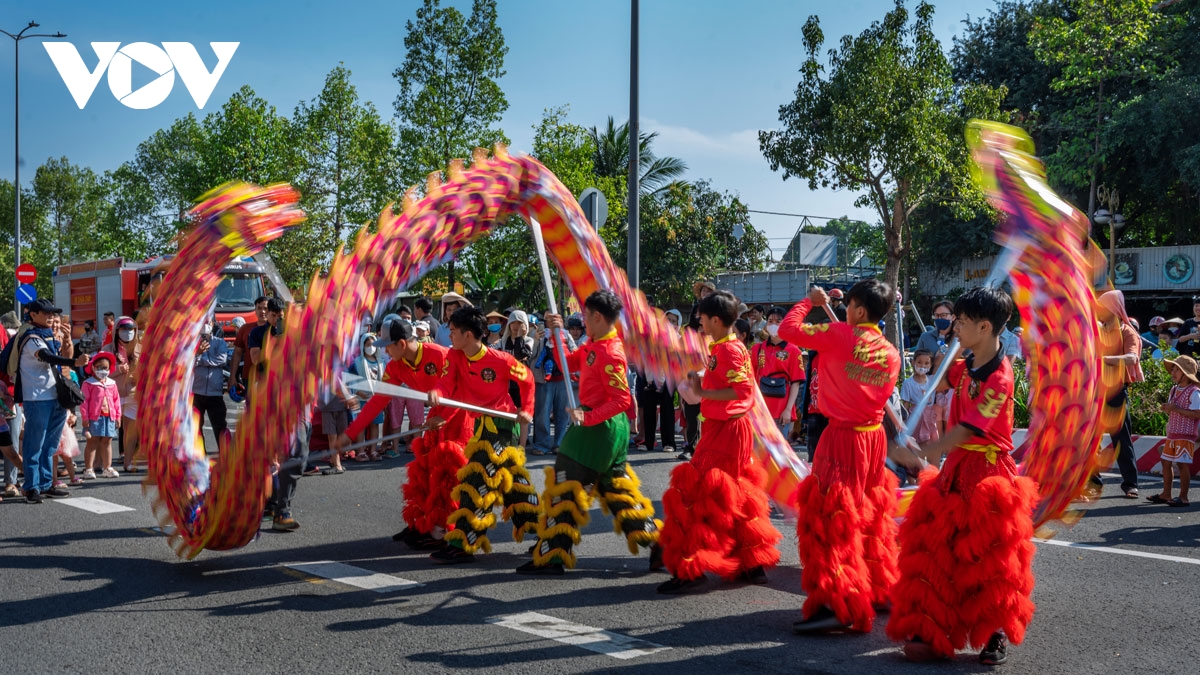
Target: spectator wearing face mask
{"points": [[936, 342], [127, 350], [208, 379], [779, 372], [497, 321]]}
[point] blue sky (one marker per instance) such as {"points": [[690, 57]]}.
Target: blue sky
{"points": [[713, 73]]}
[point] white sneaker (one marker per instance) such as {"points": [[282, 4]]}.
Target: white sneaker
{"points": [[111, 473], [89, 475]]}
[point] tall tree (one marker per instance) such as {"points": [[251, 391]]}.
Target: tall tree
{"points": [[692, 230], [450, 100], [886, 119], [72, 201], [347, 169], [1108, 42], [171, 160], [611, 158], [37, 244]]}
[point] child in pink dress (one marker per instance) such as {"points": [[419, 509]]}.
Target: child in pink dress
{"points": [[101, 412]]}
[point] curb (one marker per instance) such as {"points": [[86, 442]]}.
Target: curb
{"points": [[1145, 451]]}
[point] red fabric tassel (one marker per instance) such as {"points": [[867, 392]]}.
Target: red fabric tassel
{"points": [[756, 538], [715, 523], [830, 531], [880, 548], [443, 462], [965, 564]]}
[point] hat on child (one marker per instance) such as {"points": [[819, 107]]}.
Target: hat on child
{"points": [[1186, 364], [112, 361]]}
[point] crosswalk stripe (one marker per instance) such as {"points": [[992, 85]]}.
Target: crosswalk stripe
{"points": [[92, 504], [592, 639], [1121, 551], [354, 576]]}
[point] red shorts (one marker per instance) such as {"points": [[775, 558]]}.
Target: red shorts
{"points": [[724, 445], [846, 454]]}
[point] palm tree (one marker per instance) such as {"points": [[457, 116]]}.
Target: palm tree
{"points": [[611, 158]]}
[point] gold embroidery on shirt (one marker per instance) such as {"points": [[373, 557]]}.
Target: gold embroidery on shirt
{"points": [[991, 404]]}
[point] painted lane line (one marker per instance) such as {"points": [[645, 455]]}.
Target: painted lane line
{"points": [[92, 504], [354, 576], [1121, 551], [592, 639]]}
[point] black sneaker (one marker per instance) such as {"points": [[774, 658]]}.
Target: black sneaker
{"points": [[403, 535], [754, 575], [56, 492], [685, 456], [553, 569], [32, 497], [677, 586], [656, 560], [821, 622], [996, 650], [451, 555], [423, 542]]}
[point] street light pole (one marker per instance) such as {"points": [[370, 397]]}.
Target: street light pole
{"points": [[633, 262], [17, 137]]}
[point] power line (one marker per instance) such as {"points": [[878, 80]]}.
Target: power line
{"points": [[791, 215]]}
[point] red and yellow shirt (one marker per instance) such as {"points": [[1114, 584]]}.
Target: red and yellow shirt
{"points": [[483, 379], [728, 367], [781, 360], [983, 403], [603, 386], [858, 365], [422, 374]]}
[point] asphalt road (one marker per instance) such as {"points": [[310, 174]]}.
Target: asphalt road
{"points": [[103, 593]]}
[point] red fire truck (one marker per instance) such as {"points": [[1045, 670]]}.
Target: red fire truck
{"points": [[87, 290]]}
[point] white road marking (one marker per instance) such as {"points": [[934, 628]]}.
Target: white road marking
{"points": [[354, 576], [94, 505], [1121, 551], [593, 639]]}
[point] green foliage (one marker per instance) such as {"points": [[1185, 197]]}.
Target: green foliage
{"points": [[611, 158], [885, 119], [1104, 51], [1146, 398], [450, 100], [689, 227], [347, 170]]}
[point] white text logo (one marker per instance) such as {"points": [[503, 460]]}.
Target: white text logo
{"points": [[172, 57]]}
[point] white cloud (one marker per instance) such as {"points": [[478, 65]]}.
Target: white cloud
{"points": [[684, 142]]}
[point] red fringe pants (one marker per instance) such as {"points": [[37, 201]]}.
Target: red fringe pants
{"points": [[717, 517], [966, 556], [433, 473], [846, 527]]}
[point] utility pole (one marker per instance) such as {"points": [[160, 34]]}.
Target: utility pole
{"points": [[633, 264], [17, 137]]}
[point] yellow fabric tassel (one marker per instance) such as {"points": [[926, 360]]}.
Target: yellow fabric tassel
{"points": [[476, 523], [481, 502], [461, 537], [496, 482], [554, 555], [529, 527]]}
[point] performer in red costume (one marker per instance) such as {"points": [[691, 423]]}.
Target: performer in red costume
{"points": [[845, 528], [965, 551], [717, 517], [437, 454], [594, 451], [495, 470]]}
